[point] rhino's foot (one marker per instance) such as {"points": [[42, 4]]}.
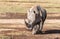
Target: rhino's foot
{"points": [[35, 29]]}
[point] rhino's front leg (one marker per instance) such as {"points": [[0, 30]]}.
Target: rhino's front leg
{"points": [[35, 29]]}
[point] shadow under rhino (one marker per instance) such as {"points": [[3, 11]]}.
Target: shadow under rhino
{"points": [[54, 31]]}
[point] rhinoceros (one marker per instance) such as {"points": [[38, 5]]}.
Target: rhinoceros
{"points": [[36, 16]]}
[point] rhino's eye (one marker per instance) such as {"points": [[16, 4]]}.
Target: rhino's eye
{"points": [[34, 11]]}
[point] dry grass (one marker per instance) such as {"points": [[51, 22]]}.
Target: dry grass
{"points": [[17, 5], [17, 29], [5, 37]]}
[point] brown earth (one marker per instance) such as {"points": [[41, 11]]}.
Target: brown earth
{"points": [[9, 15], [17, 31], [49, 32]]}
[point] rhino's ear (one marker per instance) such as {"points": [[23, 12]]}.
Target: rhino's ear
{"points": [[38, 8]]}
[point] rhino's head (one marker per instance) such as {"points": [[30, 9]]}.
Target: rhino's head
{"points": [[35, 10]]}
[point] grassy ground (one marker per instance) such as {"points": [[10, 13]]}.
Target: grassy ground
{"points": [[23, 5], [17, 30]]}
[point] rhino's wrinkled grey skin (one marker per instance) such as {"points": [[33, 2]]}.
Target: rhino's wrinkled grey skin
{"points": [[35, 19]]}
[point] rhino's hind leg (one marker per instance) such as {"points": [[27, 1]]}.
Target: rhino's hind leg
{"points": [[35, 29], [41, 26]]}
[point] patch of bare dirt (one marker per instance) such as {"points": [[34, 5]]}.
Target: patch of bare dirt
{"points": [[9, 15], [16, 32], [22, 33]]}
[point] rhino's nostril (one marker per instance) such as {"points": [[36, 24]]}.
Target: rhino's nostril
{"points": [[34, 11]]}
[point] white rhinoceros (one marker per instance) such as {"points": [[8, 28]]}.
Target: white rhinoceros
{"points": [[36, 16]]}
